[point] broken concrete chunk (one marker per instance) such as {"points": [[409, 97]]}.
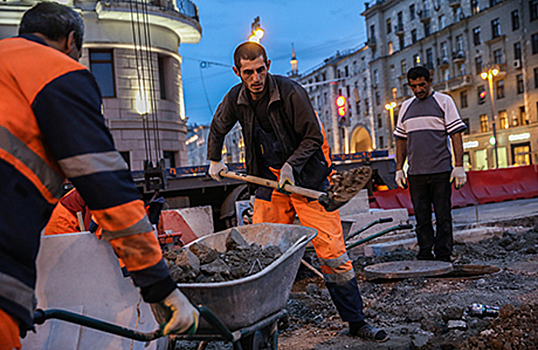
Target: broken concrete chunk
{"points": [[457, 324], [203, 252], [235, 240], [217, 266], [187, 258]]}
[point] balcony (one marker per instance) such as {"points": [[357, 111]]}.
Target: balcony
{"points": [[454, 3], [454, 83], [424, 16], [372, 42], [458, 56], [180, 16], [399, 29], [443, 62]]}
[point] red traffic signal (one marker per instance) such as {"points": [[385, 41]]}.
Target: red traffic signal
{"points": [[341, 105]]}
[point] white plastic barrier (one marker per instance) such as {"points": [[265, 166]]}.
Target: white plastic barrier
{"points": [[78, 273]]}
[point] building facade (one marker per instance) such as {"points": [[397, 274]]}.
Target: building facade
{"points": [[458, 40], [233, 149], [132, 50]]}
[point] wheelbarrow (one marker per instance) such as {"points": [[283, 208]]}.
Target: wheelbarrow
{"points": [[244, 311]]}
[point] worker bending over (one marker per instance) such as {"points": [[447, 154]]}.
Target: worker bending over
{"points": [[285, 142], [51, 127]]}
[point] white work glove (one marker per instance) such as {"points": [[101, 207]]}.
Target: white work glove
{"points": [[215, 168], [400, 179], [458, 176], [175, 314], [286, 176]]}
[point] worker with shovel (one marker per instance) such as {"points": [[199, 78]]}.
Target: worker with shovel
{"points": [[284, 142], [51, 127]]}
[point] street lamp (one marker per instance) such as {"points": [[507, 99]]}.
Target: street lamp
{"points": [[390, 107], [257, 31], [489, 75]]}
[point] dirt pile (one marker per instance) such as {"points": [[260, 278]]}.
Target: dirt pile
{"points": [[199, 263], [348, 183]]}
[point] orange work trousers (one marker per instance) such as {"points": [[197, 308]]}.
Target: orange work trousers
{"points": [[329, 243], [9, 332]]}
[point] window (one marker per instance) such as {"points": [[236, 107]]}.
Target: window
{"points": [[346, 69], [498, 56], [495, 28], [414, 36], [520, 84], [325, 98], [520, 153], [458, 14], [484, 123], [377, 98], [163, 76], [348, 92], [463, 99], [476, 36], [442, 23], [400, 21], [478, 64], [126, 155], [403, 69], [475, 8], [102, 67], [429, 58], [412, 11], [379, 121], [170, 159], [427, 29], [481, 90], [389, 27], [517, 51], [536, 78], [515, 20], [503, 120], [391, 48], [493, 2], [499, 89], [523, 116], [376, 77], [372, 31], [459, 43], [533, 6], [358, 108], [366, 106], [402, 42], [534, 40], [381, 143]]}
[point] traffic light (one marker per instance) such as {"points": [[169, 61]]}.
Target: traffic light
{"points": [[341, 106], [482, 97]]}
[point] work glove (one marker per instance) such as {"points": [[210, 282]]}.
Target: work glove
{"points": [[215, 168], [401, 179], [458, 176], [286, 176], [175, 314]]}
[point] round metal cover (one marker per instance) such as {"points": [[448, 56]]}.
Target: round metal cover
{"points": [[407, 269]]}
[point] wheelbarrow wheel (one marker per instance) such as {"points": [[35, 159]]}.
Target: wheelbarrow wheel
{"points": [[263, 339]]}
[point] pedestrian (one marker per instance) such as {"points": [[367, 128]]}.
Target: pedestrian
{"points": [[284, 141], [51, 127], [425, 123]]}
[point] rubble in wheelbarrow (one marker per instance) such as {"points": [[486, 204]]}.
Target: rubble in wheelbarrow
{"points": [[348, 183], [198, 263]]}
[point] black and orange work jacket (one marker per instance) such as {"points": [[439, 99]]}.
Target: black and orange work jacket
{"points": [[51, 127]]}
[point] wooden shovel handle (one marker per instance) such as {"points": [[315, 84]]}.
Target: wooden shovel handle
{"points": [[273, 184]]}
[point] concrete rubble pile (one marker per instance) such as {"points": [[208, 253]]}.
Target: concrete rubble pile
{"points": [[198, 263]]}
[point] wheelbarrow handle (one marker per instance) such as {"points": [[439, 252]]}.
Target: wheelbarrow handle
{"points": [[379, 234], [364, 228], [40, 316]]}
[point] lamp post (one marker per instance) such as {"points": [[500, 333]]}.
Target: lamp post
{"points": [[489, 75], [390, 107], [257, 31]]}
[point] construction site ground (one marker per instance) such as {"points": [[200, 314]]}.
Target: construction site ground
{"points": [[430, 312]]}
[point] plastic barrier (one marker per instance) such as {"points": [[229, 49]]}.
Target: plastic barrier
{"points": [[394, 199], [492, 186], [463, 197]]}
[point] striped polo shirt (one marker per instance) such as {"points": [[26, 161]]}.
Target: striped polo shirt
{"points": [[426, 125]]}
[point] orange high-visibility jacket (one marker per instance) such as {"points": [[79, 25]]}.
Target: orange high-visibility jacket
{"points": [[51, 127]]}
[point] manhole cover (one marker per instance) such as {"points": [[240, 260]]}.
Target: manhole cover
{"points": [[407, 269]]}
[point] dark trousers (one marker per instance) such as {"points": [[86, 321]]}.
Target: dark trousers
{"points": [[347, 299], [426, 190]]}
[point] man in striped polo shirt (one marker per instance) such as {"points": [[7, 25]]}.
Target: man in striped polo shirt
{"points": [[424, 125]]}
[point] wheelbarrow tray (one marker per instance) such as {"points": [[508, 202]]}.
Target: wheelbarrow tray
{"points": [[243, 302]]}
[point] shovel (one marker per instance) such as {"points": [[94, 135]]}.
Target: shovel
{"points": [[328, 201]]}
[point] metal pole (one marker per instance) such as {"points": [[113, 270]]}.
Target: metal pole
{"points": [[490, 81]]}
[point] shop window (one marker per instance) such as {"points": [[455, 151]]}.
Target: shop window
{"points": [[481, 159]]}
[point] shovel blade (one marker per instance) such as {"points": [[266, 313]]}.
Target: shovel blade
{"points": [[330, 204]]}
